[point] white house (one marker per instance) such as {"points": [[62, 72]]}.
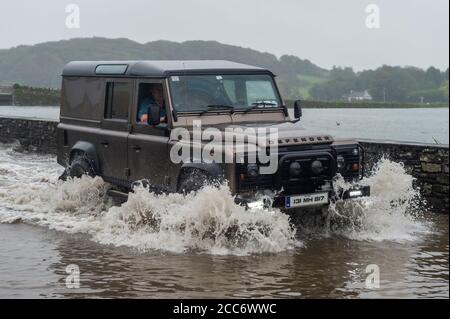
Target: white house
{"points": [[356, 96]]}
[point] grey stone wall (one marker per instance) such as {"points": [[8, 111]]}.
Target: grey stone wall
{"points": [[6, 99], [428, 163], [33, 135], [6, 95]]}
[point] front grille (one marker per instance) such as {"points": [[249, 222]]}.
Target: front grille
{"points": [[253, 183], [306, 181], [306, 170]]}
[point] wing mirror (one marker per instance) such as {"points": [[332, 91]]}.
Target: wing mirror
{"points": [[298, 113], [154, 115]]}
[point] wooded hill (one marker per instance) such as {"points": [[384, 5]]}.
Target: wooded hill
{"points": [[41, 65]]}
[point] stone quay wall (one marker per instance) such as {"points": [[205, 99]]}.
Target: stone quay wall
{"points": [[33, 135], [428, 163]]}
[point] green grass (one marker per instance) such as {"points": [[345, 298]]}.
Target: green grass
{"points": [[308, 82]]}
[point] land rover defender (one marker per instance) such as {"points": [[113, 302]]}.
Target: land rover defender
{"points": [[121, 120]]}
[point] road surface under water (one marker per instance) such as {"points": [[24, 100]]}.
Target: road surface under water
{"points": [[204, 246]]}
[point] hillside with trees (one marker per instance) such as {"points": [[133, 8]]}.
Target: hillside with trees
{"points": [[386, 84], [41, 66]]}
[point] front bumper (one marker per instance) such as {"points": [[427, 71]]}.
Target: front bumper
{"points": [[280, 201]]}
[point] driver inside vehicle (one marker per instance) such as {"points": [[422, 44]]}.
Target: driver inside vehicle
{"points": [[155, 97]]}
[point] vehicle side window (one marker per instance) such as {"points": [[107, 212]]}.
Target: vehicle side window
{"points": [[117, 102], [150, 94]]}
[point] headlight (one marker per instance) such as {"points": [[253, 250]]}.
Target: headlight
{"points": [[295, 169], [317, 167], [340, 162], [252, 170]]}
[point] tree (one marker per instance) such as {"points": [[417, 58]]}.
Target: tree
{"points": [[434, 76], [390, 84]]}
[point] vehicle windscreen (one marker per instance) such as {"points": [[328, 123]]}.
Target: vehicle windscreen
{"points": [[203, 93]]}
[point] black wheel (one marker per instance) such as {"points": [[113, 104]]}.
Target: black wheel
{"points": [[80, 165], [192, 181]]}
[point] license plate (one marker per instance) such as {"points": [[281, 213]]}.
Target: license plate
{"points": [[306, 200]]}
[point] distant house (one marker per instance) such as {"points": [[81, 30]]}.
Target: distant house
{"points": [[6, 95], [356, 96]]}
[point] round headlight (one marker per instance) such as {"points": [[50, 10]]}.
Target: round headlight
{"points": [[252, 170], [317, 167], [340, 162], [295, 169]]}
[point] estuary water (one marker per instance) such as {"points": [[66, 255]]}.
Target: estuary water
{"points": [[427, 125], [205, 246]]}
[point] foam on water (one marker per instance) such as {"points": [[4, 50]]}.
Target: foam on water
{"points": [[208, 222], [394, 211]]}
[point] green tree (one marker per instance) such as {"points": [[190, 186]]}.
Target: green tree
{"points": [[434, 76]]}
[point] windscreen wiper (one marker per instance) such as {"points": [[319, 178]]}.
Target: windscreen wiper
{"points": [[219, 107], [258, 104]]}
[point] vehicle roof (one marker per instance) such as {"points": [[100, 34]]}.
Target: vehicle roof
{"points": [[161, 68]]}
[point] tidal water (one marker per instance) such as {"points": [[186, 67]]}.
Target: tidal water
{"points": [[205, 246], [427, 125]]}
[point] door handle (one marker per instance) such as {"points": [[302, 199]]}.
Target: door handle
{"points": [[137, 148], [105, 143]]}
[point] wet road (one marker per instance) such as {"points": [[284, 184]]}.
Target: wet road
{"points": [[33, 263], [45, 227]]}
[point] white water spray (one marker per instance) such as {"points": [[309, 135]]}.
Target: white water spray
{"points": [[208, 222], [394, 211]]}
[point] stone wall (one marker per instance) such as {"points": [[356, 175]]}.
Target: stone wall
{"points": [[33, 135], [6, 99], [428, 163], [6, 95]]}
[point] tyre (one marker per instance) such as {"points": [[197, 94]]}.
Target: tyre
{"points": [[80, 165], [192, 181], [64, 175]]}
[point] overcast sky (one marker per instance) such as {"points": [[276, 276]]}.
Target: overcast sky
{"points": [[328, 32]]}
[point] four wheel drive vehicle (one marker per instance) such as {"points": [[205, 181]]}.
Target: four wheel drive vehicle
{"points": [[114, 125]]}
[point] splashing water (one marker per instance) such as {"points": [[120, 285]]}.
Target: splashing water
{"points": [[208, 222], [392, 212]]}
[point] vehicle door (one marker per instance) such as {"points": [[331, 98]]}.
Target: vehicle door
{"points": [[114, 131], [148, 154]]}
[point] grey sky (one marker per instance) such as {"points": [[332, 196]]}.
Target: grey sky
{"points": [[328, 32]]}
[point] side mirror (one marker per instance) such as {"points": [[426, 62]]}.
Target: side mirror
{"points": [[298, 113], [154, 115]]}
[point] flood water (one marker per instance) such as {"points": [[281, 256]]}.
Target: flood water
{"points": [[205, 246], [427, 125]]}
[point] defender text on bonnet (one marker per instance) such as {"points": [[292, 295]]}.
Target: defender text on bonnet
{"points": [[176, 125]]}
